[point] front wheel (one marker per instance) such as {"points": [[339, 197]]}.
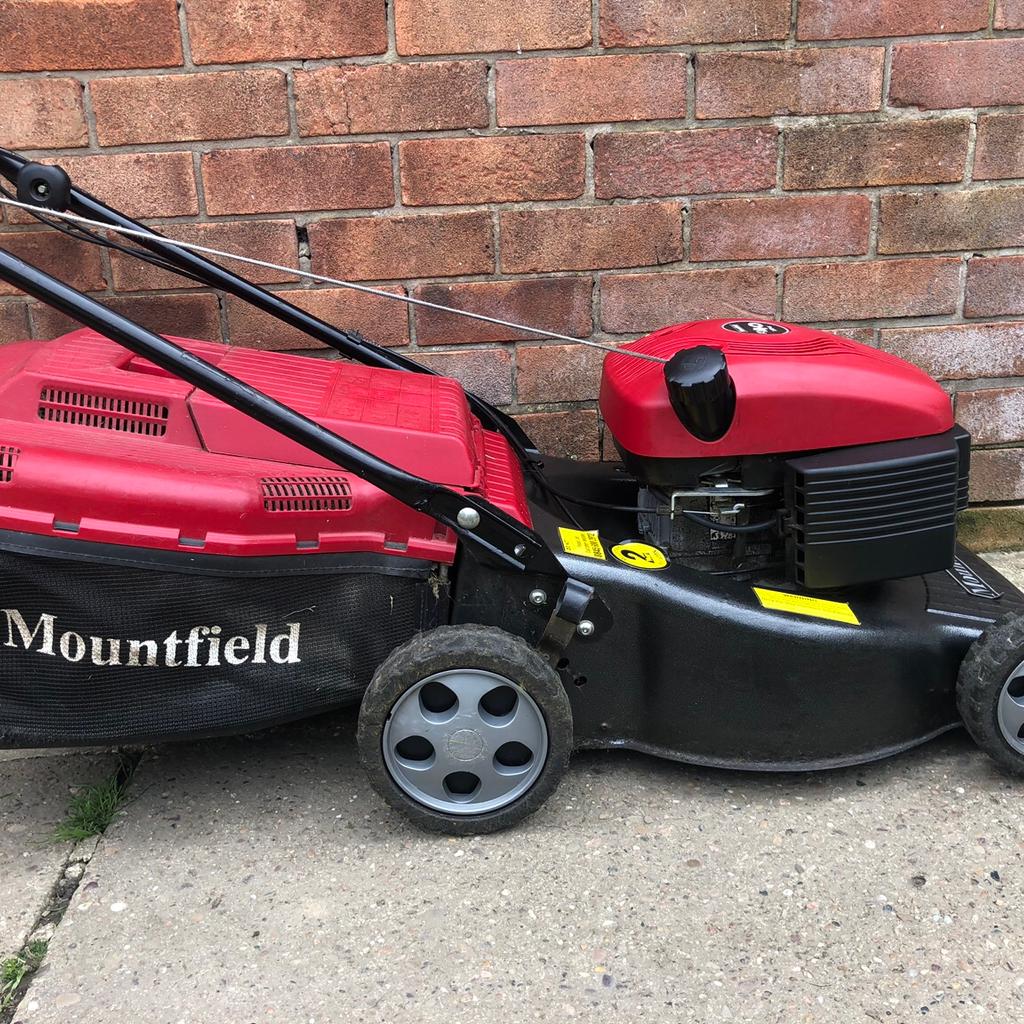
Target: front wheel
{"points": [[465, 729], [990, 692]]}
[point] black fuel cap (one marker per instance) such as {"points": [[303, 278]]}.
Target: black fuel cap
{"points": [[701, 391]]}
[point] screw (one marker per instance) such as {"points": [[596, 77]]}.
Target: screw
{"points": [[585, 628], [468, 518], [519, 550], [41, 189], [538, 597]]}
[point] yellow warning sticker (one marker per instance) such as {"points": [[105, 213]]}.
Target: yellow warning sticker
{"points": [[640, 556], [582, 542], [800, 604]]}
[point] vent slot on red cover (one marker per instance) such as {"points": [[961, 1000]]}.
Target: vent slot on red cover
{"points": [[8, 457], [306, 494], [106, 412]]}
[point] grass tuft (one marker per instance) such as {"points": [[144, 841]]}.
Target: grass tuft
{"points": [[93, 808], [15, 969]]}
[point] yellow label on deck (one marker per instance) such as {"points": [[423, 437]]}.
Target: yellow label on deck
{"points": [[582, 542], [800, 604], [640, 556]]}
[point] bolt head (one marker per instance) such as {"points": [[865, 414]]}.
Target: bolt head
{"points": [[519, 550], [585, 628], [538, 597], [468, 518]]}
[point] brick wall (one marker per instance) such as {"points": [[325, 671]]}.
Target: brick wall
{"points": [[593, 167]]}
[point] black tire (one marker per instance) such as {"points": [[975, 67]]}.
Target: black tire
{"points": [[487, 649], [989, 663]]}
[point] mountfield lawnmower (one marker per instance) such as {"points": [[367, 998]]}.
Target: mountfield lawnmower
{"points": [[198, 539]]}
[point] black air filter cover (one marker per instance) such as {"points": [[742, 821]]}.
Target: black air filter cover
{"points": [[875, 512]]}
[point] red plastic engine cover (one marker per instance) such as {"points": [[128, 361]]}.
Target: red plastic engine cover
{"points": [[797, 389]]}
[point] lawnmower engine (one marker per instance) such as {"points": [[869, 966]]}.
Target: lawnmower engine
{"points": [[762, 444]]}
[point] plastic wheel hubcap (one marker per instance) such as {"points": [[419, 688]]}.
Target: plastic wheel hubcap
{"points": [[1011, 709], [465, 742]]}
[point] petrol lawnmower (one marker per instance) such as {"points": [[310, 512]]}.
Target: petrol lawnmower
{"points": [[198, 539]]}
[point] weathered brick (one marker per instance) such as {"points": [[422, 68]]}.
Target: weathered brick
{"points": [[42, 113], [997, 475], [583, 90], [863, 291], [961, 351], [598, 237], [644, 302], [486, 372], [351, 175], [943, 221], [190, 316], [358, 99], [774, 227], [390, 248], [482, 26], [896, 153], [1009, 14], [634, 164], [247, 30], [14, 322], [560, 304], [272, 240], [557, 373], [182, 108], [66, 35], [77, 263], [571, 434], [995, 286], [840, 19], [505, 169], [960, 73], [760, 83], [992, 415], [382, 320], [999, 151], [663, 22], [139, 184]]}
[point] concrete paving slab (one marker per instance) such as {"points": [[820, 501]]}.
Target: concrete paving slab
{"points": [[261, 880], [34, 793], [1009, 563]]}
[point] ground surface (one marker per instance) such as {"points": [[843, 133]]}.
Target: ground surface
{"points": [[260, 880]]}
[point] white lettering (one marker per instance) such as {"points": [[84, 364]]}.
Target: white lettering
{"points": [[291, 639], [15, 620]]}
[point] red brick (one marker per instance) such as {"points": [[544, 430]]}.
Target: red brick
{"points": [[504, 169], [840, 19], [390, 248], [583, 90], [359, 99], [635, 164], [486, 372], [383, 321], [775, 227], [663, 22], [189, 316], [961, 351], [895, 153], [992, 415], [999, 152], [760, 83], [557, 373], [995, 286], [572, 433], [353, 176], [644, 302], [482, 26], [943, 221], [963, 73], [237, 31], [66, 35], [1009, 14], [76, 263], [139, 184], [597, 237], [14, 322], [863, 291], [560, 304], [183, 108], [997, 475], [42, 113], [272, 240]]}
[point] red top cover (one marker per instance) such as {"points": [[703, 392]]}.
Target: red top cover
{"points": [[797, 389]]}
